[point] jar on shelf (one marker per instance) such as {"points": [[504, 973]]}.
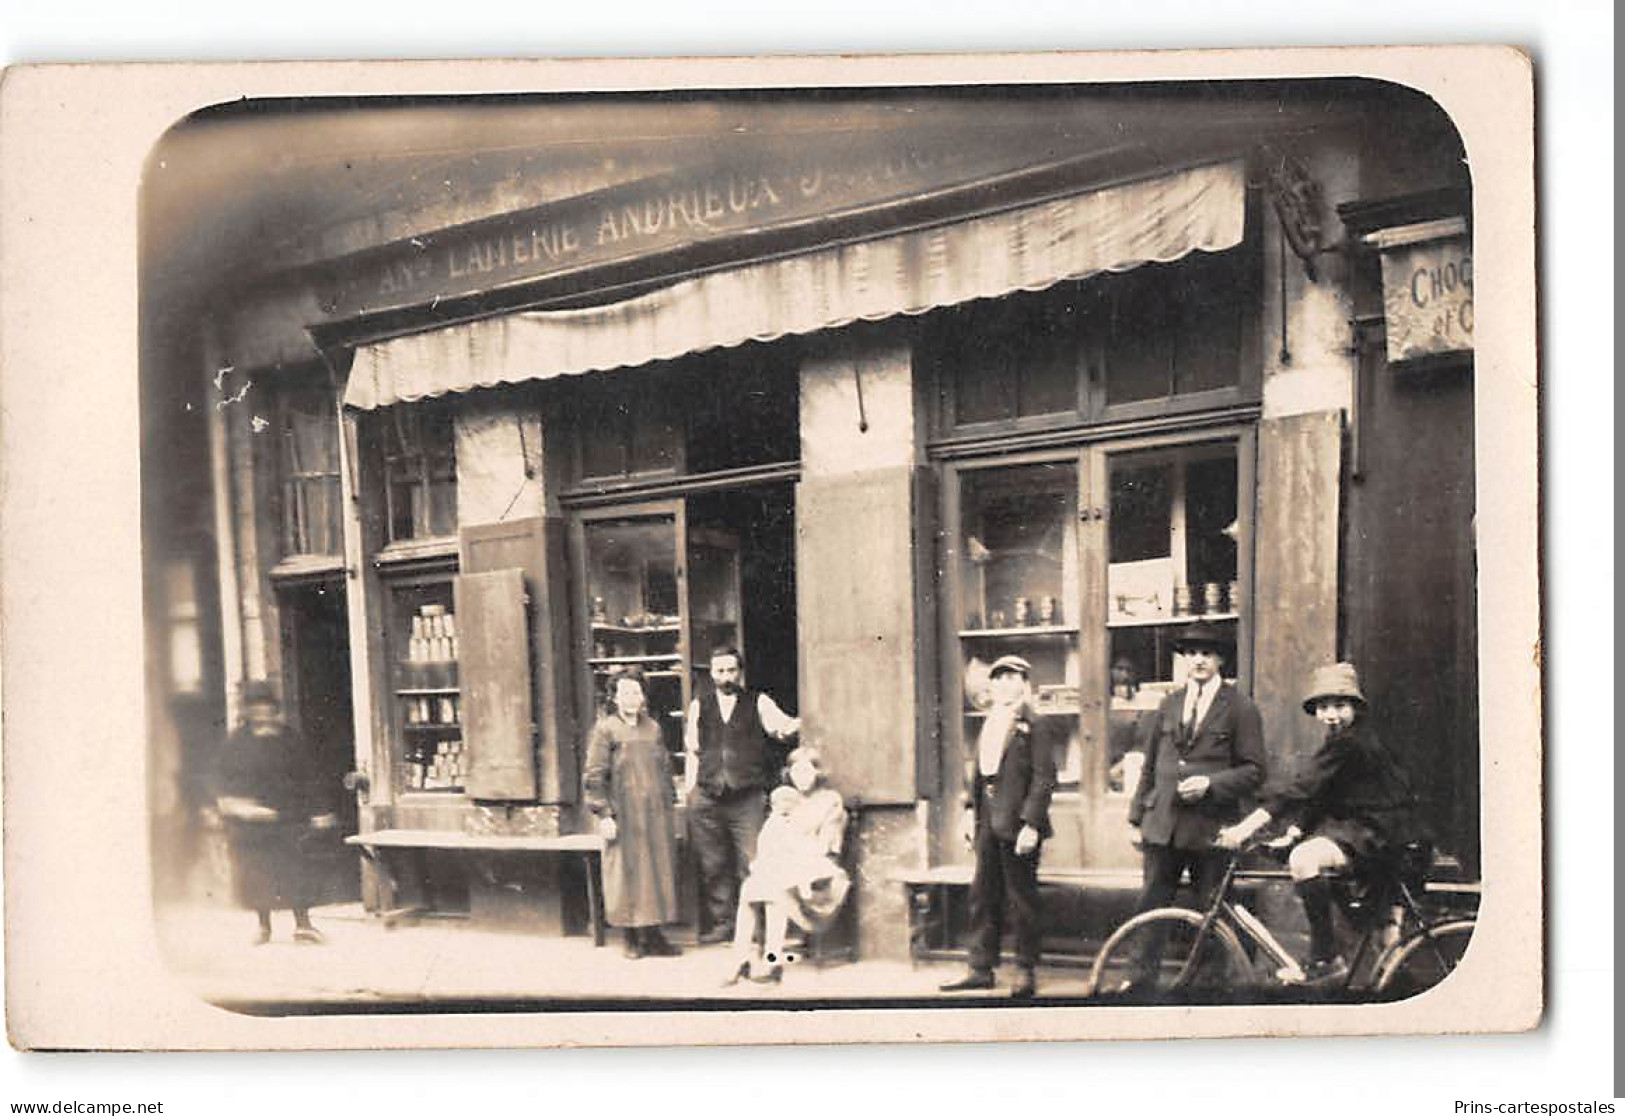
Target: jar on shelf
{"points": [[1212, 597], [1182, 600], [1021, 612]]}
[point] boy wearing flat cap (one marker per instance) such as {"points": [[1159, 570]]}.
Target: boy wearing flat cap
{"points": [[1204, 759], [1007, 795]]}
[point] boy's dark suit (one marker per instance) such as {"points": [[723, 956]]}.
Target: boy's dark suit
{"points": [[1228, 747], [1018, 795]]}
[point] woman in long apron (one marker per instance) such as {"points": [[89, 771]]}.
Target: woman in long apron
{"points": [[628, 786]]}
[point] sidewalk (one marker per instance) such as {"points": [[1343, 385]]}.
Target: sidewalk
{"points": [[444, 962]]}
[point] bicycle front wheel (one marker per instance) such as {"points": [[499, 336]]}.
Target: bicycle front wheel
{"points": [[1165, 952], [1423, 959]]}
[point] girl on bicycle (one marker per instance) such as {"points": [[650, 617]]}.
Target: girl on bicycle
{"points": [[1351, 803]]}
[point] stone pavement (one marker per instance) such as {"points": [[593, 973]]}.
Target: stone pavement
{"points": [[445, 962]]}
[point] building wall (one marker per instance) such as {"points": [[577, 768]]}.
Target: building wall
{"points": [[858, 608]]}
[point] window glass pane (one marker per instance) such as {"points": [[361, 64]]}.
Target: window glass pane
{"points": [[656, 428], [743, 407], [1019, 584], [422, 639], [310, 473], [984, 391], [602, 433], [635, 614], [420, 470], [1209, 350], [1139, 513], [1172, 557], [1140, 348], [1009, 358], [322, 507], [1047, 354]]}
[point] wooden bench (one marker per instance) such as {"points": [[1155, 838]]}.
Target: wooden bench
{"points": [[589, 847]]}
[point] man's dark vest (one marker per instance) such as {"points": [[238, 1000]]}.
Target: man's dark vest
{"points": [[733, 753]]}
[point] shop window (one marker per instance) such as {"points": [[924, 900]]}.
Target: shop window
{"points": [[1156, 339], [420, 472], [185, 640], [309, 427], [1019, 585], [1175, 329], [626, 428], [1011, 359], [1172, 545], [743, 408], [703, 414], [422, 638]]}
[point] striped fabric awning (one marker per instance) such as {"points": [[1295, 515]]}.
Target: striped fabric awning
{"points": [[1027, 248]]}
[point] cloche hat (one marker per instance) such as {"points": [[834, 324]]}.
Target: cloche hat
{"points": [[1334, 680]]}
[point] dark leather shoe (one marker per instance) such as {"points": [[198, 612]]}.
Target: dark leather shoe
{"points": [[774, 975], [655, 944], [973, 981], [716, 935], [633, 949], [1026, 986]]}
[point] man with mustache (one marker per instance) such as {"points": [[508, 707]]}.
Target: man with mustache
{"points": [[728, 775]]}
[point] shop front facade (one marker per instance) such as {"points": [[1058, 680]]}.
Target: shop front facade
{"points": [[876, 394]]}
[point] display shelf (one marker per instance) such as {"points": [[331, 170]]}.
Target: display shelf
{"points": [[632, 660], [981, 714], [1174, 621], [1025, 630], [428, 691], [435, 726], [634, 630], [604, 673]]}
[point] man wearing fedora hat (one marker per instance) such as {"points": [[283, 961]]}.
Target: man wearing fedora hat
{"points": [[1204, 758], [1007, 794], [1352, 798]]}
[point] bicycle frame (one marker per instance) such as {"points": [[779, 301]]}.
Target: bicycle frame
{"points": [[1247, 924], [1218, 935]]}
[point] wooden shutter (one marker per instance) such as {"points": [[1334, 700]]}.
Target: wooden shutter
{"points": [[857, 613], [535, 546], [495, 678], [1296, 562]]}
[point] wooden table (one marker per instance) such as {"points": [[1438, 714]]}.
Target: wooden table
{"points": [[588, 846]]}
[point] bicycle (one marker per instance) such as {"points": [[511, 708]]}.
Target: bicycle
{"points": [[1204, 957]]}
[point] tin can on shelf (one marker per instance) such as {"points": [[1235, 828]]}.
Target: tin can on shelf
{"points": [[995, 619], [1235, 596], [1212, 597], [1021, 611], [1048, 611], [1182, 600]]}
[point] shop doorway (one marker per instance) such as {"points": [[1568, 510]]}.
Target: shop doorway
{"points": [[666, 582], [316, 641], [762, 519]]}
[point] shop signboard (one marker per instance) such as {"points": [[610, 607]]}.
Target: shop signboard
{"points": [[705, 212], [1427, 289]]}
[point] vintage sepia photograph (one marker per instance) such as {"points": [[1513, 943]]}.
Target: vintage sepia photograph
{"points": [[796, 551], [928, 546]]}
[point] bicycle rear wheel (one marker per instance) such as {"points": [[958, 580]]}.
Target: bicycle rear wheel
{"points": [[1422, 960], [1192, 964]]}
